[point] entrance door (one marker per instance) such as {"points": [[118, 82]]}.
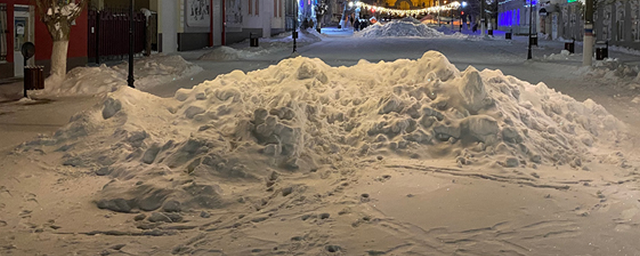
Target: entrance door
{"points": [[22, 33]]}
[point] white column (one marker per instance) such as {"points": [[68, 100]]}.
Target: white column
{"points": [[587, 46], [266, 13], [168, 21]]}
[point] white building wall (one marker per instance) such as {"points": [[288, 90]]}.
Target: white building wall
{"points": [[168, 21], [266, 19]]}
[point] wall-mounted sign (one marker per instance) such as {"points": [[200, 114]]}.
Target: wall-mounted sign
{"points": [[198, 13], [233, 21]]}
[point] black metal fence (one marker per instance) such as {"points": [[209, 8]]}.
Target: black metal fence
{"points": [[109, 34]]}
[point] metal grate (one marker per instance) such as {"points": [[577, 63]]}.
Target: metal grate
{"points": [[3, 32], [109, 33]]}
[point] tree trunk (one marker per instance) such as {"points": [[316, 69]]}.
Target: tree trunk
{"points": [[59, 30], [58, 62]]}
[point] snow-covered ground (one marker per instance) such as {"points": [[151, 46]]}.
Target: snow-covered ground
{"points": [[373, 148]]}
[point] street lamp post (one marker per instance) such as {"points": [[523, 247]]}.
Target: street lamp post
{"points": [[530, 25], [130, 79], [587, 46], [482, 21], [295, 27], [438, 12], [451, 14]]}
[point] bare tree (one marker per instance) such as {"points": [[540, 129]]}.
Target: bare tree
{"points": [[58, 15]]}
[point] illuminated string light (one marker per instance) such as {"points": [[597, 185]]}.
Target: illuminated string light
{"points": [[416, 12]]}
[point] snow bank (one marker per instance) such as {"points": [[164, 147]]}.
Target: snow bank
{"points": [[241, 50], [303, 115], [228, 53], [407, 27], [611, 72], [625, 50], [149, 72], [563, 55]]}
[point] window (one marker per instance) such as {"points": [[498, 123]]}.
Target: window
{"points": [[257, 11], [275, 8], [280, 8], [620, 30], [620, 21], [3, 32], [249, 10]]}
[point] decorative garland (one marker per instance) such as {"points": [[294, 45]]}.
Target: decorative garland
{"points": [[416, 12]]}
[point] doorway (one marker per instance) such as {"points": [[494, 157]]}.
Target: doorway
{"points": [[22, 32]]}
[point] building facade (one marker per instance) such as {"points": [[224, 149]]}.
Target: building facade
{"points": [[178, 25], [258, 18], [515, 16], [20, 23], [616, 22]]}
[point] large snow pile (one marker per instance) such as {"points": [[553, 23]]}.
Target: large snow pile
{"points": [[303, 115], [148, 72], [407, 27]]}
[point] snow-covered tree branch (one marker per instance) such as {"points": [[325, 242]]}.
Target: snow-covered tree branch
{"points": [[58, 15]]}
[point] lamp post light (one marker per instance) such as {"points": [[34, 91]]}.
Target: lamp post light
{"points": [[529, 56], [130, 79]]}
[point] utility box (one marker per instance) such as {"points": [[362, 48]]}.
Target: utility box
{"points": [[570, 46], [602, 50], [34, 78], [533, 40], [253, 41]]}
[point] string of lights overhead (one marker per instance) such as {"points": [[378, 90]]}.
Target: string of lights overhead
{"points": [[415, 12]]}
